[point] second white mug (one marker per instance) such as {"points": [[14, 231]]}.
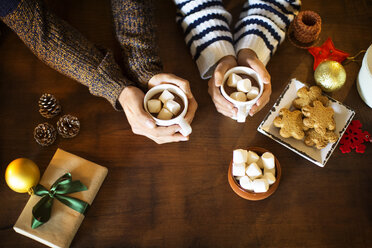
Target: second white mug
{"points": [[243, 107]]}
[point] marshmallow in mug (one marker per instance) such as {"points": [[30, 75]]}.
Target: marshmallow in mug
{"points": [[170, 104], [254, 173], [250, 84]]}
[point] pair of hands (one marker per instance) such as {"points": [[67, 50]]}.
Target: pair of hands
{"points": [[246, 57], [142, 123]]}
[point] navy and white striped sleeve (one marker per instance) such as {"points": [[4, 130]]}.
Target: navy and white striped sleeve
{"points": [[262, 25], [207, 33]]}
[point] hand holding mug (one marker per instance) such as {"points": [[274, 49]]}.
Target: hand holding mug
{"points": [[248, 58]]}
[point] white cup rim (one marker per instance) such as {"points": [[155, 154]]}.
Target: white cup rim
{"points": [[173, 89], [242, 70]]}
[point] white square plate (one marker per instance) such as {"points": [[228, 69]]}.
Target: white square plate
{"points": [[343, 116]]}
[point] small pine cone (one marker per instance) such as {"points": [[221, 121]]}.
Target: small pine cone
{"points": [[49, 106], [45, 134], [68, 126]]}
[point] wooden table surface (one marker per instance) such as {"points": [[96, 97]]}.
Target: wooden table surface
{"points": [[177, 195]]}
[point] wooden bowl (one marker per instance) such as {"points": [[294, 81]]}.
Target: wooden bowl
{"points": [[250, 195]]}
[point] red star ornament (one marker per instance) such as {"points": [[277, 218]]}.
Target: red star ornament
{"points": [[327, 51]]}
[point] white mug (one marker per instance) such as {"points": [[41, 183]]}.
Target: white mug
{"points": [[243, 107], [180, 119], [364, 80]]}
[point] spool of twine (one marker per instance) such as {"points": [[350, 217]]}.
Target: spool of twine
{"points": [[307, 26]]}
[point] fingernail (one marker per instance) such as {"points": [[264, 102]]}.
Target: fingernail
{"points": [[185, 138], [150, 124], [251, 114]]}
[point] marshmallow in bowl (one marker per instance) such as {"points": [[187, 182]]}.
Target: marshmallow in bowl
{"points": [[260, 163], [244, 85], [253, 93], [246, 183], [165, 114], [266, 170], [269, 177], [238, 169], [233, 80], [260, 185], [253, 171], [166, 96], [240, 156], [172, 106], [238, 96], [268, 160], [252, 157], [154, 106]]}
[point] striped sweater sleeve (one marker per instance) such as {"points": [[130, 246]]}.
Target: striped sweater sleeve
{"points": [[135, 31], [207, 34], [262, 25], [66, 50]]}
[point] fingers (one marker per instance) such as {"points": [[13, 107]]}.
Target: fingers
{"points": [[259, 67], [222, 67], [172, 79], [262, 101], [193, 105], [222, 105]]}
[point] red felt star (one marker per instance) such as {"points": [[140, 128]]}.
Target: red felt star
{"points": [[354, 138], [327, 51]]}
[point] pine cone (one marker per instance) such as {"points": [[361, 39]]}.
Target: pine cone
{"points": [[68, 126], [45, 134], [49, 106]]}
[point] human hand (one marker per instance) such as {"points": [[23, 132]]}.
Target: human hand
{"points": [[183, 84], [141, 122], [247, 57], [222, 105]]}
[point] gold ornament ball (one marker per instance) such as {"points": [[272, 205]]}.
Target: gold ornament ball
{"points": [[22, 174], [330, 75]]}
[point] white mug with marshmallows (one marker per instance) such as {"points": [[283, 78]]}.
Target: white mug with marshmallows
{"points": [[243, 107], [180, 118]]}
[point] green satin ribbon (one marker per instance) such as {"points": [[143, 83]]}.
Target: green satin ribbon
{"points": [[63, 185]]}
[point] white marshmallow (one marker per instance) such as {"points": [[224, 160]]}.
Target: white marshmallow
{"points": [[154, 105], [238, 169], [269, 177], [272, 171], [239, 96], [244, 85], [268, 160], [172, 106], [260, 185], [238, 178], [240, 156], [253, 171], [165, 114], [252, 157], [253, 93], [166, 96], [233, 80], [259, 163], [246, 183]]}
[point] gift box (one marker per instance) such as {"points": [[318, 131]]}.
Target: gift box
{"points": [[64, 221]]}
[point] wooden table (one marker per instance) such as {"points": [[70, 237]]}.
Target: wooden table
{"points": [[177, 195]]}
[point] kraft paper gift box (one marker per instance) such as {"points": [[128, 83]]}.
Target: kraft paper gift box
{"points": [[64, 222]]}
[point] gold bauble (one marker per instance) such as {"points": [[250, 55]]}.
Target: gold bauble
{"points": [[330, 75], [22, 174]]}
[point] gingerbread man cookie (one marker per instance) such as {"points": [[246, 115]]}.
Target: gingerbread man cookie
{"points": [[319, 141], [319, 117], [290, 124], [308, 96]]}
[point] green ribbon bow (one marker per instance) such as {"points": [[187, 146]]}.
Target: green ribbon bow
{"points": [[63, 185]]}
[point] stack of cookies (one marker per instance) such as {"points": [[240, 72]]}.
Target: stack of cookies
{"points": [[311, 121]]}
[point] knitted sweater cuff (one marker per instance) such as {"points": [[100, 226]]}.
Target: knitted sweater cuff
{"points": [[111, 82], [210, 56]]}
